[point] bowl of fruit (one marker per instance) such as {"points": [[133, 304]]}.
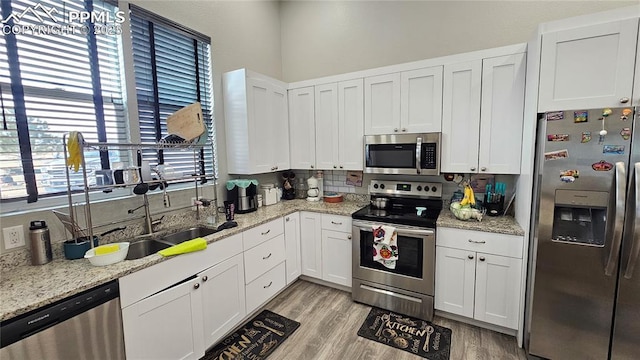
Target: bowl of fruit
{"points": [[466, 209]]}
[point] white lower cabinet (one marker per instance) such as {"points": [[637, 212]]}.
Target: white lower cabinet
{"points": [[481, 285], [336, 257], [292, 244], [311, 244]]}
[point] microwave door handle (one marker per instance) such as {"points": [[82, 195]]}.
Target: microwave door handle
{"points": [[635, 236], [619, 181], [418, 148]]}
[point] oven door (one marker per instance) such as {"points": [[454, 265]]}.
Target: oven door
{"points": [[415, 268]]}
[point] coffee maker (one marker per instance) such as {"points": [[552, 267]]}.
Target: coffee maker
{"points": [[288, 190], [243, 194]]}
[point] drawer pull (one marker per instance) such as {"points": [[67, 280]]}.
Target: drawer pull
{"points": [[266, 286], [470, 257], [266, 232], [349, 237], [266, 257], [481, 258], [196, 285], [205, 278], [336, 223], [477, 242]]}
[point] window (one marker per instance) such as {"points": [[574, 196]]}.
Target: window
{"points": [[61, 82], [52, 83], [172, 70]]}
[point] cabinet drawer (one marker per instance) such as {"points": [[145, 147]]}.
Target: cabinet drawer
{"points": [[490, 243], [264, 287], [336, 223], [262, 233], [263, 257]]}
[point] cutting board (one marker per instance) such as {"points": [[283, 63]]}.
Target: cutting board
{"points": [[187, 122]]}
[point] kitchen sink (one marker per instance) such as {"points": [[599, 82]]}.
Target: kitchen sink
{"points": [[141, 248], [188, 234]]}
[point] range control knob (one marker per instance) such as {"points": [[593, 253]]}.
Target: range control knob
{"points": [[382, 186], [419, 188], [426, 188], [375, 186], [434, 189]]}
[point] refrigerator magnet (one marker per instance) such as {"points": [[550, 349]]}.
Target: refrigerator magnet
{"points": [[625, 114], [625, 133], [613, 149], [555, 115], [555, 155], [569, 176], [558, 137], [602, 166], [586, 137], [580, 116]]}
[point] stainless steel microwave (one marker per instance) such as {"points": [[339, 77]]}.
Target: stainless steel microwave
{"points": [[408, 154]]}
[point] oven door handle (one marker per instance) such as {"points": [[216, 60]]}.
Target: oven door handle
{"points": [[401, 231], [418, 148]]}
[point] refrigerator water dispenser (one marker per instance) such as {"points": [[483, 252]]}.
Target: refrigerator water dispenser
{"points": [[580, 217]]}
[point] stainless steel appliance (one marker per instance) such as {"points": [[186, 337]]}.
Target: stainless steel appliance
{"points": [[584, 285], [244, 195], [410, 154], [412, 208], [84, 326]]}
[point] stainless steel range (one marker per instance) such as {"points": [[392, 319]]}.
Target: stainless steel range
{"points": [[412, 208]]}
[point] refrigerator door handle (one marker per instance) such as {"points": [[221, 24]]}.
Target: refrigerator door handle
{"points": [[635, 247], [616, 241]]}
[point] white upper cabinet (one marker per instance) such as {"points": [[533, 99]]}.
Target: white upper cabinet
{"points": [[636, 83], [502, 114], [302, 137], [256, 121], [421, 100], [339, 125], [406, 102], [461, 117], [588, 67]]}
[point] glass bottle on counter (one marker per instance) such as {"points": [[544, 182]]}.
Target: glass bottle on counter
{"points": [[301, 189]]}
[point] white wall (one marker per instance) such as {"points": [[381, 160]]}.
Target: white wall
{"points": [[321, 38]]}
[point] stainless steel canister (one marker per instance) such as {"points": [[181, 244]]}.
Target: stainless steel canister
{"points": [[40, 243]]}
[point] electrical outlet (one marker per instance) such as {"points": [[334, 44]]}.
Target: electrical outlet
{"points": [[13, 237]]}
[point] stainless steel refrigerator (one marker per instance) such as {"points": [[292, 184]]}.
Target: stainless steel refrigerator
{"points": [[584, 280]]}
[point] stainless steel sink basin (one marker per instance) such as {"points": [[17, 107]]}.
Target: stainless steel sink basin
{"points": [[188, 234], [141, 248]]}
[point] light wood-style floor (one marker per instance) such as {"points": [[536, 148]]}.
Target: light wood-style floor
{"points": [[329, 323]]}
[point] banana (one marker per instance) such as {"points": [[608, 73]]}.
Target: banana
{"points": [[466, 199], [472, 196]]}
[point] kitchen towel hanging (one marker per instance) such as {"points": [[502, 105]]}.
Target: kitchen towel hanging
{"points": [[385, 245]]}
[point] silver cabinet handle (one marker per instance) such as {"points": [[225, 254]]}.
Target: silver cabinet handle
{"points": [[635, 248], [276, 168], [470, 257], [349, 237], [481, 258], [477, 241], [196, 286], [404, 130], [483, 169], [395, 130], [266, 286], [312, 166], [341, 167], [620, 185], [205, 278], [266, 257], [335, 166], [266, 232], [624, 100], [473, 169], [287, 218], [336, 223]]}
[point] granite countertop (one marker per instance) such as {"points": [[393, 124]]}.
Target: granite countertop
{"points": [[496, 224], [26, 288]]}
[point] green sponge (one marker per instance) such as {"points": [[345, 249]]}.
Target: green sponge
{"points": [[185, 247]]}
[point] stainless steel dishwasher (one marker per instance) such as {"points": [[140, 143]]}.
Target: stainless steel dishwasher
{"points": [[84, 326]]}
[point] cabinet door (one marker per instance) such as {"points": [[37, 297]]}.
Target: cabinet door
{"points": [[311, 244], [167, 325], [351, 125], [259, 98], [502, 114], [382, 104], [421, 100], [455, 280], [292, 245], [498, 290], [223, 300], [636, 82], [327, 126], [336, 257], [461, 117], [279, 141], [587, 67], [302, 137]]}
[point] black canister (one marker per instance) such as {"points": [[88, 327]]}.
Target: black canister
{"points": [[40, 243]]}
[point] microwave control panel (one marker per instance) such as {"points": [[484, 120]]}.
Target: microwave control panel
{"points": [[429, 156]]}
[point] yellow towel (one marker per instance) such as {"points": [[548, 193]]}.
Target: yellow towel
{"points": [[185, 247]]}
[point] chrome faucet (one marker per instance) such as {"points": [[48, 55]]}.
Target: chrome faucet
{"points": [[149, 223], [163, 184]]}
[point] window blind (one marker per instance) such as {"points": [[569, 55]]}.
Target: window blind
{"points": [[172, 70], [65, 89]]}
